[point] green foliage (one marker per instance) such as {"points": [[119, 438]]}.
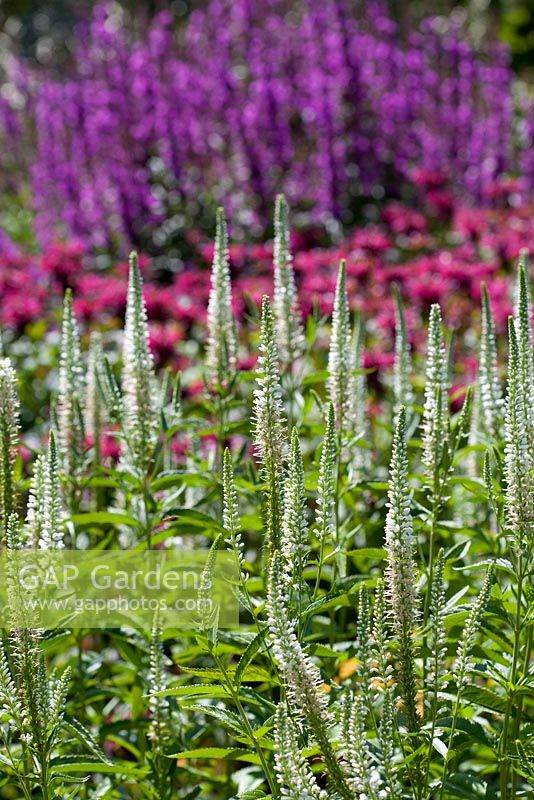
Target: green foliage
{"points": [[385, 643]]}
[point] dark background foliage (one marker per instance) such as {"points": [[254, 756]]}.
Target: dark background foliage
{"points": [[41, 28]]}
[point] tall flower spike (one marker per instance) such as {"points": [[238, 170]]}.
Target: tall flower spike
{"points": [[464, 664], [436, 394], [270, 436], [44, 521], [386, 737], [490, 390], [523, 277], [113, 399], [438, 636], [381, 644], [14, 538], [301, 677], [159, 706], [524, 340], [221, 354], [465, 647], [10, 700], [231, 510], [28, 672], [208, 613], [364, 778], [32, 527], [364, 641], [289, 327], [294, 543], [326, 484], [94, 406], [402, 387], [295, 778], [70, 392], [138, 379], [518, 456], [341, 357], [9, 439], [360, 416], [401, 568]]}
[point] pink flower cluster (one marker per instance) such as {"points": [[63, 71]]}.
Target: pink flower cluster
{"points": [[430, 262]]}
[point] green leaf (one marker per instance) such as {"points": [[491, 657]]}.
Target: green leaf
{"points": [[373, 553], [81, 733], [188, 517], [208, 690], [485, 698], [227, 718], [252, 649], [67, 764], [473, 730], [252, 674], [103, 518], [314, 378], [227, 753], [166, 480]]}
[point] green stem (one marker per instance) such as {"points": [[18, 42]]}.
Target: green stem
{"points": [[246, 722], [291, 391], [409, 686], [148, 523], [505, 767], [82, 712], [455, 715], [330, 758], [319, 570], [434, 712], [21, 779], [44, 778], [339, 465], [519, 712], [221, 422]]}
